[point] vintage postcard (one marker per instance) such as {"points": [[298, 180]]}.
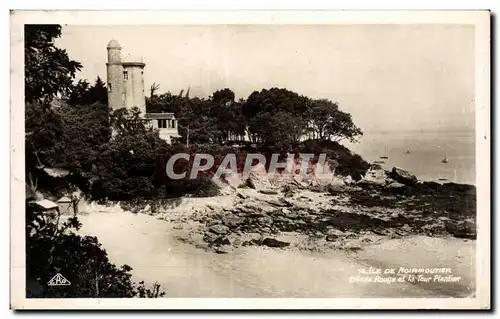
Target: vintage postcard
{"points": [[250, 160]]}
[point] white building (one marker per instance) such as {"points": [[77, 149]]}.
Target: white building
{"points": [[165, 123], [126, 89]]}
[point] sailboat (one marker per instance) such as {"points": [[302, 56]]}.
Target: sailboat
{"points": [[407, 152], [385, 156], [445, 159]]}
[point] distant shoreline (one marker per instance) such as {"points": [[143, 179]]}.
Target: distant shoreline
{"points": [[471, 133]]}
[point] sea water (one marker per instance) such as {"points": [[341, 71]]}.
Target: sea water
{"points": [[426, 152]]}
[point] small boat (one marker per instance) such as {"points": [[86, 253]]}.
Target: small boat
{"points": [[378, 162], [407, 152], [385, 156], [445, 159]]}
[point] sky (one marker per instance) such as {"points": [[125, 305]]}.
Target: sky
{"points": [[389, 77]]}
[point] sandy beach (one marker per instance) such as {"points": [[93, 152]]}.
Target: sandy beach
{"points": [[167, 252]]}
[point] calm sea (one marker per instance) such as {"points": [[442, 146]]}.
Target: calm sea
{"points": [[426, 151]]}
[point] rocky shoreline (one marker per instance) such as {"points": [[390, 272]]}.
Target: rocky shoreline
{"points": [[340, 214]]}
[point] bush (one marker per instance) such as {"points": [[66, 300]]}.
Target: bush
{"points": [[52, 248]]}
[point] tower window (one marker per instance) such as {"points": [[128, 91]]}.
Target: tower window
{"points": [[125, 75]]}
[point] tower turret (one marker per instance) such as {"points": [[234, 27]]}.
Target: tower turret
{"points": [[115, 76]]}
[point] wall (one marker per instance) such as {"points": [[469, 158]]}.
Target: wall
{"points": [[114, 78], [134, 87]]}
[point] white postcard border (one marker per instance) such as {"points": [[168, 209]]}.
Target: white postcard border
{"points": [[481, 21]]}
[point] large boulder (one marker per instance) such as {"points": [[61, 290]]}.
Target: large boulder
{"points": [[349, 180], [404, 177], [233, 220], [234, 179], [258, 178], [397, 188], [462, 229], [219, 229], [318, 175], [375, 175]]}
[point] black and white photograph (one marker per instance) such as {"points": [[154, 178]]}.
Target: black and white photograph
{"points": [[344, 161]]}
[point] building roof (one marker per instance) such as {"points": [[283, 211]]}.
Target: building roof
{"points": [[130, 64], [64, 199], [56, 172], [159, 116], [46, 204], [113, 44]]}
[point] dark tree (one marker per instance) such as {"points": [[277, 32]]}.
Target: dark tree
{"points": [[98, 93], [53, 247], [78, 92], [84, 94], [328, 122], [48, 70], [223, 96]]}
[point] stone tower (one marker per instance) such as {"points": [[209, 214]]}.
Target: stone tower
{"points": [[114, 70], [125, 80]]}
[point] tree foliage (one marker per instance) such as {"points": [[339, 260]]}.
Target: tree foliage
{"points": [[52, 247], [66, 137], [48, 69], [84, 94], [328, 122]]}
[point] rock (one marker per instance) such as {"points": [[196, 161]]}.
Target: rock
{"points": [[268, 191], [222, 250], [271, 242], [374, 176], [337, 181], [322, 176], [403, 176], [349, 180], [213, 222], [146, 209], [252, 242], [232, 220], [266, 229], [237, 241], [285, 211], [221, 241], [203, 219], [293, 215], [178, 227], [462, 229], [266, 220], [210, 237], [396, 187], [282, 219], [258, 178], [334, 231], [241, 195], [219, 229], [331, 237]]}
